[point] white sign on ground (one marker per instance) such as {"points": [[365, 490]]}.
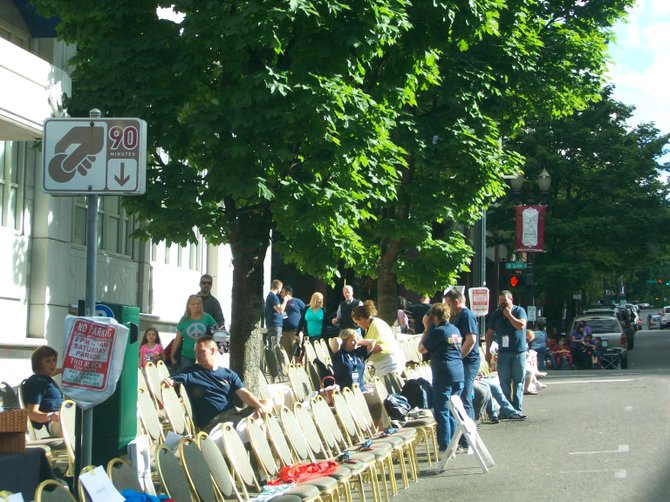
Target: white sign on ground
{"points": [[104, 156]]}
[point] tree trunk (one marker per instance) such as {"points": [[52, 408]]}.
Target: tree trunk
{"points": [[249, 244], [387, 282]]}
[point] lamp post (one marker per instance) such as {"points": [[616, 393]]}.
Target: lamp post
{"points": [[544, 185]]}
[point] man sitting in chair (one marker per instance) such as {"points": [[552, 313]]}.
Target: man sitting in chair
{"points": [[212, 389]]}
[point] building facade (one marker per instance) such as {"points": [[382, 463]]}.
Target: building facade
{"points": [[43, 237]]}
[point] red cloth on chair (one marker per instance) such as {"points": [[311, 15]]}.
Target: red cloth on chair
{"points": [[299, 473]]}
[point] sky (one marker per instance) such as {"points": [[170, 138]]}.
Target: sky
{"points": [[640, 67]]}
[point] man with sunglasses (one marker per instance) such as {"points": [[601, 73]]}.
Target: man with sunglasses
{"points": [[209, 303]]}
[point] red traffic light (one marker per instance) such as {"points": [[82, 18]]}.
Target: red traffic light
{"points": [[514, 281]]}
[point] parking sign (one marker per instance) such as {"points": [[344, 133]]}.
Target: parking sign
{"points": [[94, 156]]}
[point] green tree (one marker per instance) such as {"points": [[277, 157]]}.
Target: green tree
{"points": [[607, 202], [536, 60], [261, 116]]}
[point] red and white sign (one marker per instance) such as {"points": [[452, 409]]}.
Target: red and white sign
{"points": [[530, 229], [479, 301], [93, 358]]}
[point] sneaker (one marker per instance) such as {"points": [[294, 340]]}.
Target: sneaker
{"points": [[494, 420], [461, 449], [518, 416]]}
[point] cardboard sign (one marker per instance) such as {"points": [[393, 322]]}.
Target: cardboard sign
{"points": [[479, 301], [93, 358]]}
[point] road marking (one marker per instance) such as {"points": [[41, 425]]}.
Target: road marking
{"points": [[623, 448], [618, 473], [562, 382]]}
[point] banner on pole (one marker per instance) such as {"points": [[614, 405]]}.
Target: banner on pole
{"points": [[530, 229]]}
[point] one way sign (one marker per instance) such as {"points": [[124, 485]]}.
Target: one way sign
{"points": [[103, 156]]}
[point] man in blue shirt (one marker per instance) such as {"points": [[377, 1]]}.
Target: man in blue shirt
{"points": [[212, 389], [291, 318], [466, 322], [507, 325], [274, 310]]}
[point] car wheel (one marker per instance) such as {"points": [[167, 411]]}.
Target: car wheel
{"points": [[623, 362]]}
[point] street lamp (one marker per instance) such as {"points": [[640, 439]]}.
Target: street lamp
{"points": [[544, 185]]}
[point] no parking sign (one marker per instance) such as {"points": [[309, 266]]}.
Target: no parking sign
{"points": [[479, 301]]}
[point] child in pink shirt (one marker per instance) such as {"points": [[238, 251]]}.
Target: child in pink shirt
{"points": [[151, 348]]}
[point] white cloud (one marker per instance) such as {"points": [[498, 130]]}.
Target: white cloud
{"points": [[640, 69]]}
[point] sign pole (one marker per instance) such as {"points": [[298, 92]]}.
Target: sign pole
{"points": [[91, 281]]}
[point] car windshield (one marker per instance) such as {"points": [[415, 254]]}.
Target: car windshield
{"points": [[599, 326]]}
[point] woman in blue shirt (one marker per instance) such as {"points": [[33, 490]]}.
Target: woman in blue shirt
{"points": [[442, 341], [313, 319], [348, 354], [41, 395]]}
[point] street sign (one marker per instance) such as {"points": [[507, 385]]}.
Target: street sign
{"points": [[515, 265], [102, 310], [532, 313], [94, 156], [479, 301]]}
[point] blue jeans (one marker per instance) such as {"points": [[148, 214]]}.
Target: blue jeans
{"points": [[506, 409], [446, 423], [470, 373], [512, 375], [541, 358]]}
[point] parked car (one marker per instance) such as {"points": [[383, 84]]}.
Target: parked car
{"points": [[665, 317], [610, 330], [655, 322]]}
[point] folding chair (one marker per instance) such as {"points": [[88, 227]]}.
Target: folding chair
{"points": [[611, 359], [466, 427]]}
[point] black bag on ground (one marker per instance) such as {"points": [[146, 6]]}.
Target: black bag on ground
{"points": [[397, 406], [419, 393]]}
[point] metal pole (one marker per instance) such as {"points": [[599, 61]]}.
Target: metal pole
{"points": [[479, 265], [91, 282]]}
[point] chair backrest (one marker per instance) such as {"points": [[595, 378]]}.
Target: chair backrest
{"points": [[163, 370], [83, 494], [279, 441], [175, 483], [346, 419], [218, 468], [197, 470], [68, 412], [174, 410], [299, 381], [359, 407], [238, 459], [149, 416], [51, 490], [313, 374], [309, 431], [154, 380], [122, 475], [188, 409], [4, 495], [295, 436], [261, 448], [32, 432], [310, 353], [380, 393], [327, 424]]}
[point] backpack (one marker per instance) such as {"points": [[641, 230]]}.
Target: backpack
{"points": [[419, 393], [397, 406]]}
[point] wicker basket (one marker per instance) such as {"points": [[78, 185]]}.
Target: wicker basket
{"points": [[13, 425]]}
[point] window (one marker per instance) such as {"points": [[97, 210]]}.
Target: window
{"points": [[12, 184], [188, 256], [114, 225]]}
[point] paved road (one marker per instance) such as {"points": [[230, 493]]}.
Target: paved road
{"points": [[591, 435]]}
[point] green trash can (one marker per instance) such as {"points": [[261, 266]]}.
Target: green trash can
{"points": [[115, 420]]}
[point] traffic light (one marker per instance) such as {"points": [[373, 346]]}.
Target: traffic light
{"points": [[516, 280]]}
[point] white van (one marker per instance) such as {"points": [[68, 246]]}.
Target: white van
{"points": [[665, 317]]}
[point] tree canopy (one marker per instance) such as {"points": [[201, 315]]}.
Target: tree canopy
{"points": [[311, 118], [607, 202]]}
